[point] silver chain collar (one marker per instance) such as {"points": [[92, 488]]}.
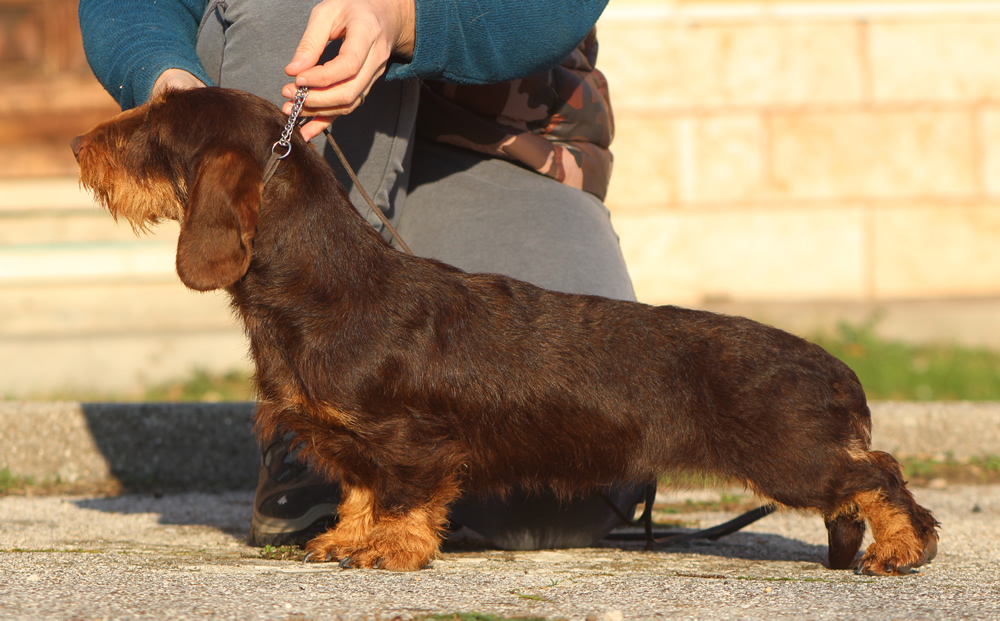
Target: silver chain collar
{"points": [[286, 136]]}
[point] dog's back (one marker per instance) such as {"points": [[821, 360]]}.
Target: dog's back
{"points": [[646, 389]]}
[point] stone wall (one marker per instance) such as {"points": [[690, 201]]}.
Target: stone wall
{"points": [[823, 151], [842, 155]]}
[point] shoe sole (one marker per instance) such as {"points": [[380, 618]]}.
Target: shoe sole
{"points": [[266, 530]]}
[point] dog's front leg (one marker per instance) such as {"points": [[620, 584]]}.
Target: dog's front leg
{"points": [[356, 519], [370, 536]]}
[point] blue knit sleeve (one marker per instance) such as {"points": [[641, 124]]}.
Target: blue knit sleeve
{"points": [[129, 44], [486, 41]]}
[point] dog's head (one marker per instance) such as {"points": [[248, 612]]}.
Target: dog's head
{"points": [[195, 156]]}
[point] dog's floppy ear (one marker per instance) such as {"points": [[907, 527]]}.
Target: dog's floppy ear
{"points": [[216, 238]]}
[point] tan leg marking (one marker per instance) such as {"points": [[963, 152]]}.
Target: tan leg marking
{"points": [[396, 541], [404, 542], [356, 519], [897, 547]]}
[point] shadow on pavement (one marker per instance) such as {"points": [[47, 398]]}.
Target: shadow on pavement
{"points": [[228, 512], [176, 446]]}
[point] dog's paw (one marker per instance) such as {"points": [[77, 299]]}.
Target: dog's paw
{"points": [[327, 548], [888, 560], [370, 558], [877, 568], [361, 558]]}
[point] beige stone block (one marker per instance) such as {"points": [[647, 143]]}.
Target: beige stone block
{"points": [[662, 161], [989, 139], [722, 158], [20, 265], [686, 257], [928, 250], [884, 154], [663, 63], [44, 194], [69, 227], [46, 310], [646, 163], [944, 59]]}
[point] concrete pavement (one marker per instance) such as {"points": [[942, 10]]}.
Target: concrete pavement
{"points": [[184, 556], [170, 552]]}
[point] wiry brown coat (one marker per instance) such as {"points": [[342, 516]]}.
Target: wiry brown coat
{"points": [[416, 382]]}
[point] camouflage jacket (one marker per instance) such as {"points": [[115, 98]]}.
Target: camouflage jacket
{"points": [[558, 123]]}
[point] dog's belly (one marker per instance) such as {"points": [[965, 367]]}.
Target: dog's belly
{"points": [[708, 414], [573, 445]]}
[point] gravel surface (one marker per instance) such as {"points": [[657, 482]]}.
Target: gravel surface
{"points": [[184, 556]]}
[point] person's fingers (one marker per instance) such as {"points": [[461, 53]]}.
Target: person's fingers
{"points": [[324, 26], [314, 127], [339, 99], [368, 32], [335, 97], [363, 47], [326, 112]]}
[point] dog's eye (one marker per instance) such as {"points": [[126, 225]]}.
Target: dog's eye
{"points": [[136, 149], [143, 151]]}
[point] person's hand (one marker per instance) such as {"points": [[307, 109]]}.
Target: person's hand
{"points": [[175, 79], [372, 31]]}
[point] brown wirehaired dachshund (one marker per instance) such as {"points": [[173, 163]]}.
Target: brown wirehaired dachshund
{"points": [[414, 381]]}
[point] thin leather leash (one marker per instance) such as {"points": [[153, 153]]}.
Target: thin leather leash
{"points": [[284, 143], [654, 539]]}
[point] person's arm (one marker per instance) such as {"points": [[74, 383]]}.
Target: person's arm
{"points": [[464, 41], [488, 41], [130, 44]]}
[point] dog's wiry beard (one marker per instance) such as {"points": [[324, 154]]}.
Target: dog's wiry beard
{"points": [[141, 201]]}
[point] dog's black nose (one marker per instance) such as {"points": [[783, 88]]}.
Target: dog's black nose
{"points": [[75, 145]]}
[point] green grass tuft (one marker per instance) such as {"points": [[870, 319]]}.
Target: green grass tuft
{"points": [[10, 481], [204, 386], [897, 371], [282, 553]]}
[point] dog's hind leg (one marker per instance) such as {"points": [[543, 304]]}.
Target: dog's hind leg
{"points": [[870, 487], [865, 486], [852, 488], [905, 534]]}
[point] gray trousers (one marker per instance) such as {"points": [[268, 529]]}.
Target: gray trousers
{"points": [[478, 213]]}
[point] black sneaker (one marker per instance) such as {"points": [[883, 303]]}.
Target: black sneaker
{"points": [[293, 504]]}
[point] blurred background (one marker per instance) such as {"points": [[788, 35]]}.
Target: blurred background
{"points": [[829, 167]]}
